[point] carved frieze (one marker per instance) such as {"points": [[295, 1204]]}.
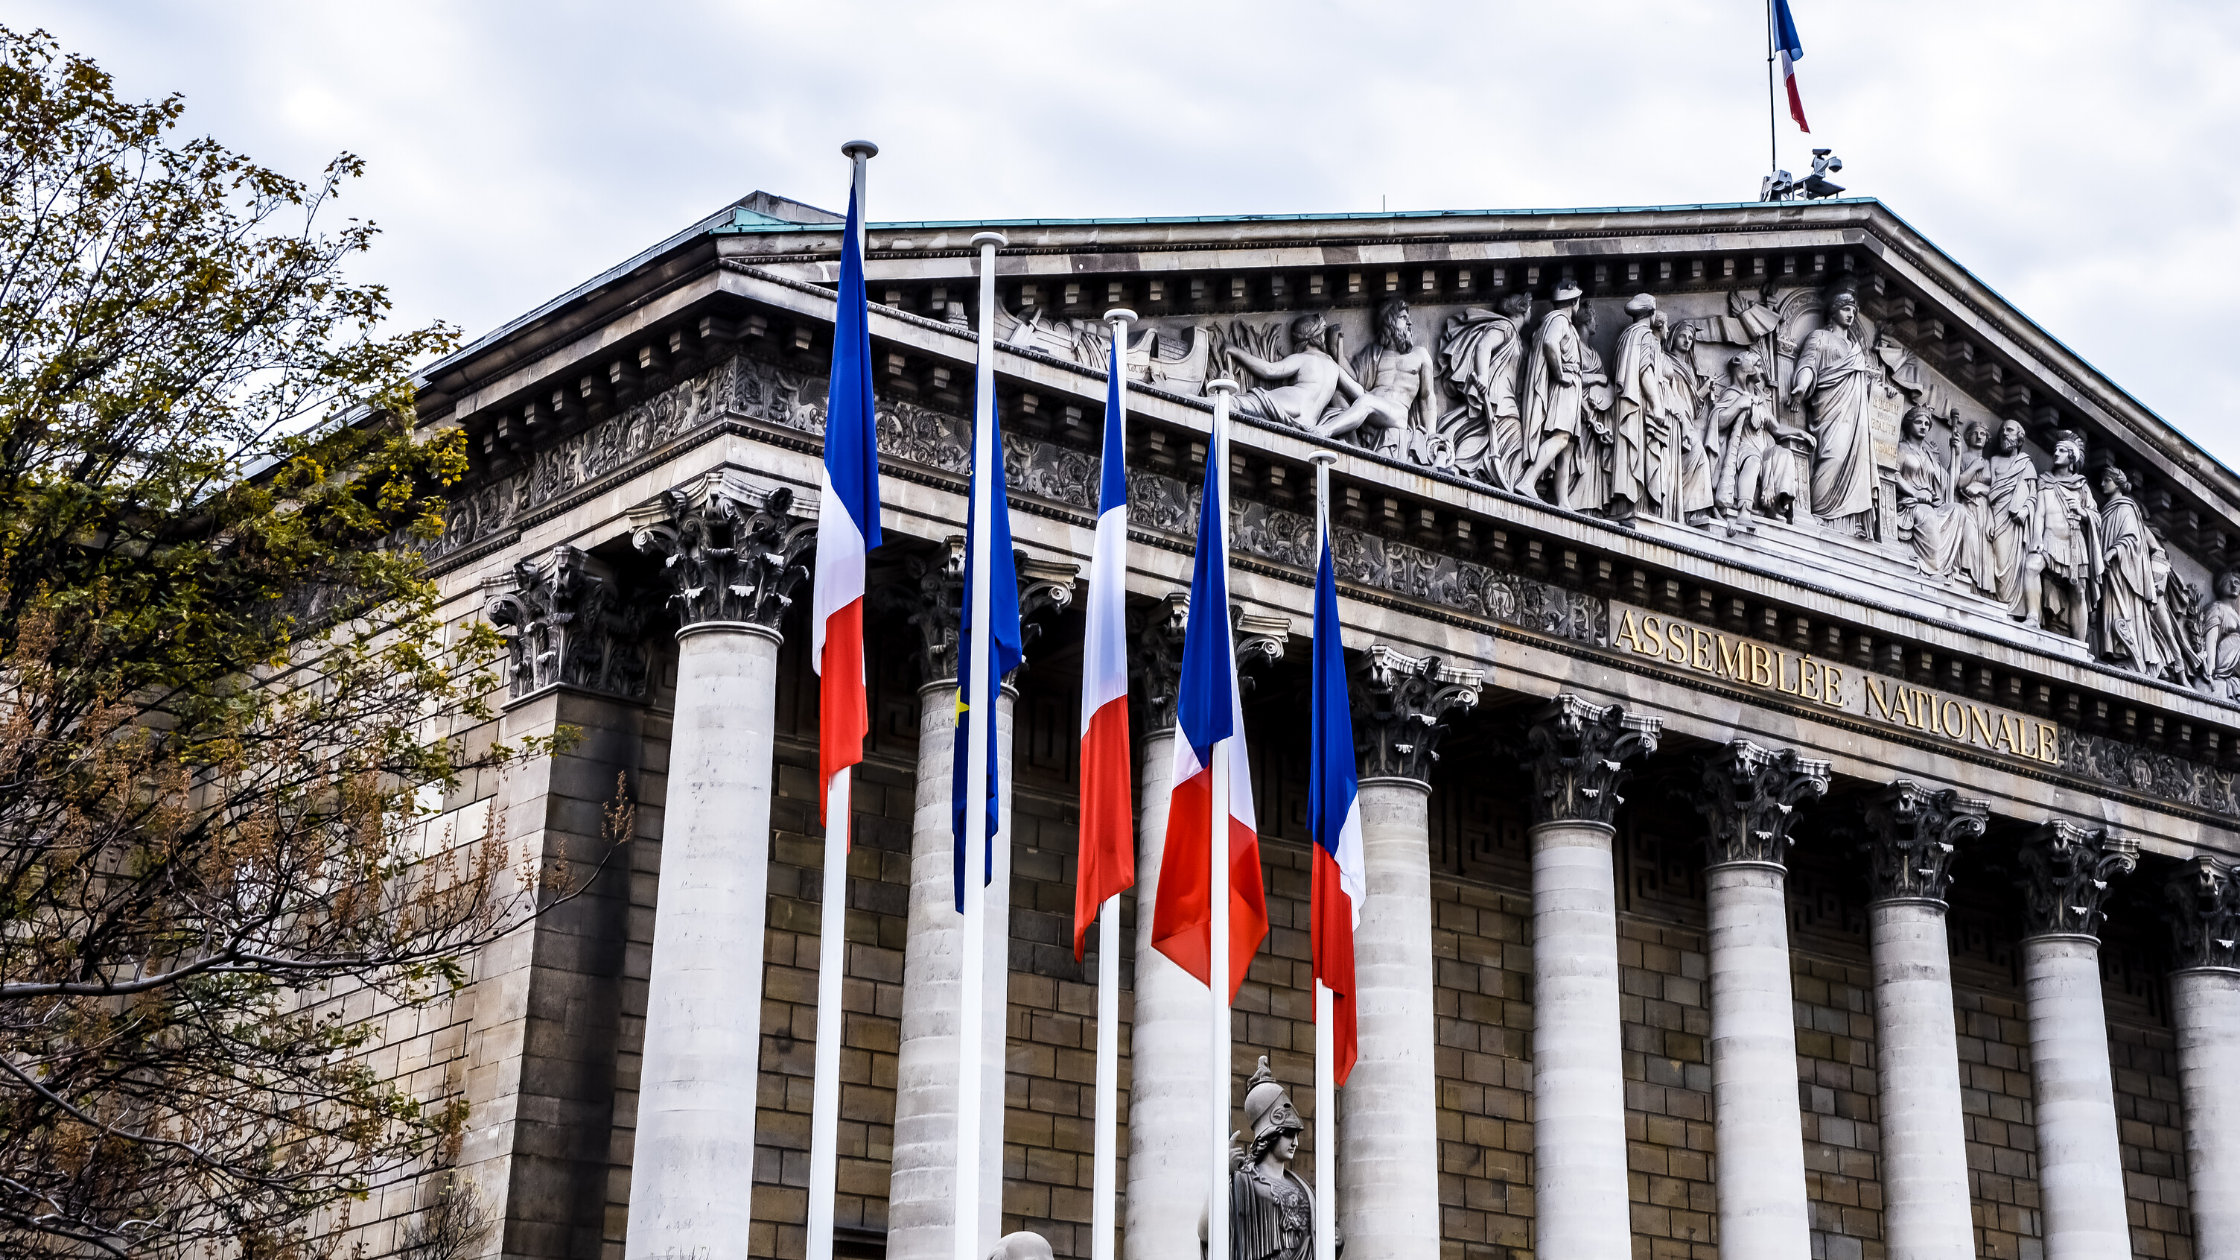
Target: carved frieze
{"points": [[2204, 914], [1401, 705], [1749, 794], [731, 551], [565, 625], [1577, 752], [1913, 832], [2066, 870]]}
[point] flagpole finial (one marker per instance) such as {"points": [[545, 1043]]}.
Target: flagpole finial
{"points": [[1323, 459], [1221, 385], [859, 148], [997, 239], [1119, 315]]}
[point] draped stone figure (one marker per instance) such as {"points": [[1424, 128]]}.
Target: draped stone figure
{"points": [[1834, 381], [1590, 486], [1756, 475], [1690, 441], [1484, 353], [1929, 516], [1638, 408], [2220, 641], [1971, 487], [1399, 396], [1312, 378], [1271, 1210], [2013, 506], [2135, 625], [1555, 400], [2064, 566]]}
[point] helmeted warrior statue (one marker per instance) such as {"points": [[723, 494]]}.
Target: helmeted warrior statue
{"points": [[1271, 1210]]}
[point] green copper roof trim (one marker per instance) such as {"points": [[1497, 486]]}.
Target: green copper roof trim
{"points": [[744, 221]]}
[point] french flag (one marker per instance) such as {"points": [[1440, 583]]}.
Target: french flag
{"points": [[847, 526], [1339, 882], [1209, 721], [1792, 51], [1108, 863]]}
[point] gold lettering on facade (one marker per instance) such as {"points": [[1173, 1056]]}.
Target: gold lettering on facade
{"points": [[1746, 663]]}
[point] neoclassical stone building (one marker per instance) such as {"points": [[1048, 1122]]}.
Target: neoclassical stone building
{"points": [[1796, 705]]}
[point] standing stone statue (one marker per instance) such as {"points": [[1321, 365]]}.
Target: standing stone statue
{"points": [[1834, 382], [1271, 1210], [1314, 378], [1929, 516], [2013, 506], [1639, 409], [1484, 356], [2220, 642], [2135, 625], [1399, 396], [1691, 444], [1971, 489], [2064, 566], [1756, 475], [1555, 399], [1590, 486]]}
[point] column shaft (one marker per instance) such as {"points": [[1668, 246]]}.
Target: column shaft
{"points": [[1924, 1165], [697, 1092], [1578, 1069], [2205, 1006], [1388, 1123], [2080, 1164], [1167, 1090], [1761, 1193], [921, 1191]]}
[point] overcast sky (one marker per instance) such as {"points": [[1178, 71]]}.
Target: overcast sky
{"points": [[2076, 156]]}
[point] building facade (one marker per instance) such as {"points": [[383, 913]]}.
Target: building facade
{"points": [[1796, 701]]}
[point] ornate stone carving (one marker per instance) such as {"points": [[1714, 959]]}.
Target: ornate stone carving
{"points": [[565, 625], [1912, 833], [1045, 591], [1397, 412], [1566, 400], [2220, 636], [2204, 914], [1749, 795], [2064, 526], [930, 597], [2066, 872], [1577, 752], [1260, 641], [1483, 353], [2138, 592], [1400, 708], [1271, 1210], [1155, 633], [732, 551], [1301, 388], [1832, 385], [1757, 469]]}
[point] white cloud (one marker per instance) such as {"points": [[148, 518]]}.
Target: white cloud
{"points": [[2069, 153]]}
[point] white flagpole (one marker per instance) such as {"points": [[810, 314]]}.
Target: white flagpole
{"points": [[979, 737], [1325, 1035], [832, 921], [1104, 1178], [1217, 848]]}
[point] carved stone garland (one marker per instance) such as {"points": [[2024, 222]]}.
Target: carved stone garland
{"points": [[2066, 873], [1749, 795], [565, 625], [1400, 709], [2204, 914], [1913, 832], [732, 551], [1577, 752]]}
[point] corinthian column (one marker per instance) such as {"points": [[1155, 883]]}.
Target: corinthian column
{"points": [[1577, 754], [921, 1190], [1748, 796], [2205, 1006], [1168, 1092], [1913, 832], [1388, 1122], [731, 553], [2080, 1164]]}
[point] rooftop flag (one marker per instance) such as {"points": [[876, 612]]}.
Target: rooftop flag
{"points": [[1791, 50]]}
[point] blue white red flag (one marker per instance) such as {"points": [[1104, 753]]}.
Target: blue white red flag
{"points": [[1108, 863], [847, 525], [1340, 881], [1791, 51], [986, 542], [1209, 722]]}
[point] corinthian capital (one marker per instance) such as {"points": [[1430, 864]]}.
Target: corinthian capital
{"points": [[1577, 752], [732, 551], [568, 624], [1155, 657], [1749, 795], [1400, 709], [2204, 914], [2066, 869], [930, 597], [1912, 834]]}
